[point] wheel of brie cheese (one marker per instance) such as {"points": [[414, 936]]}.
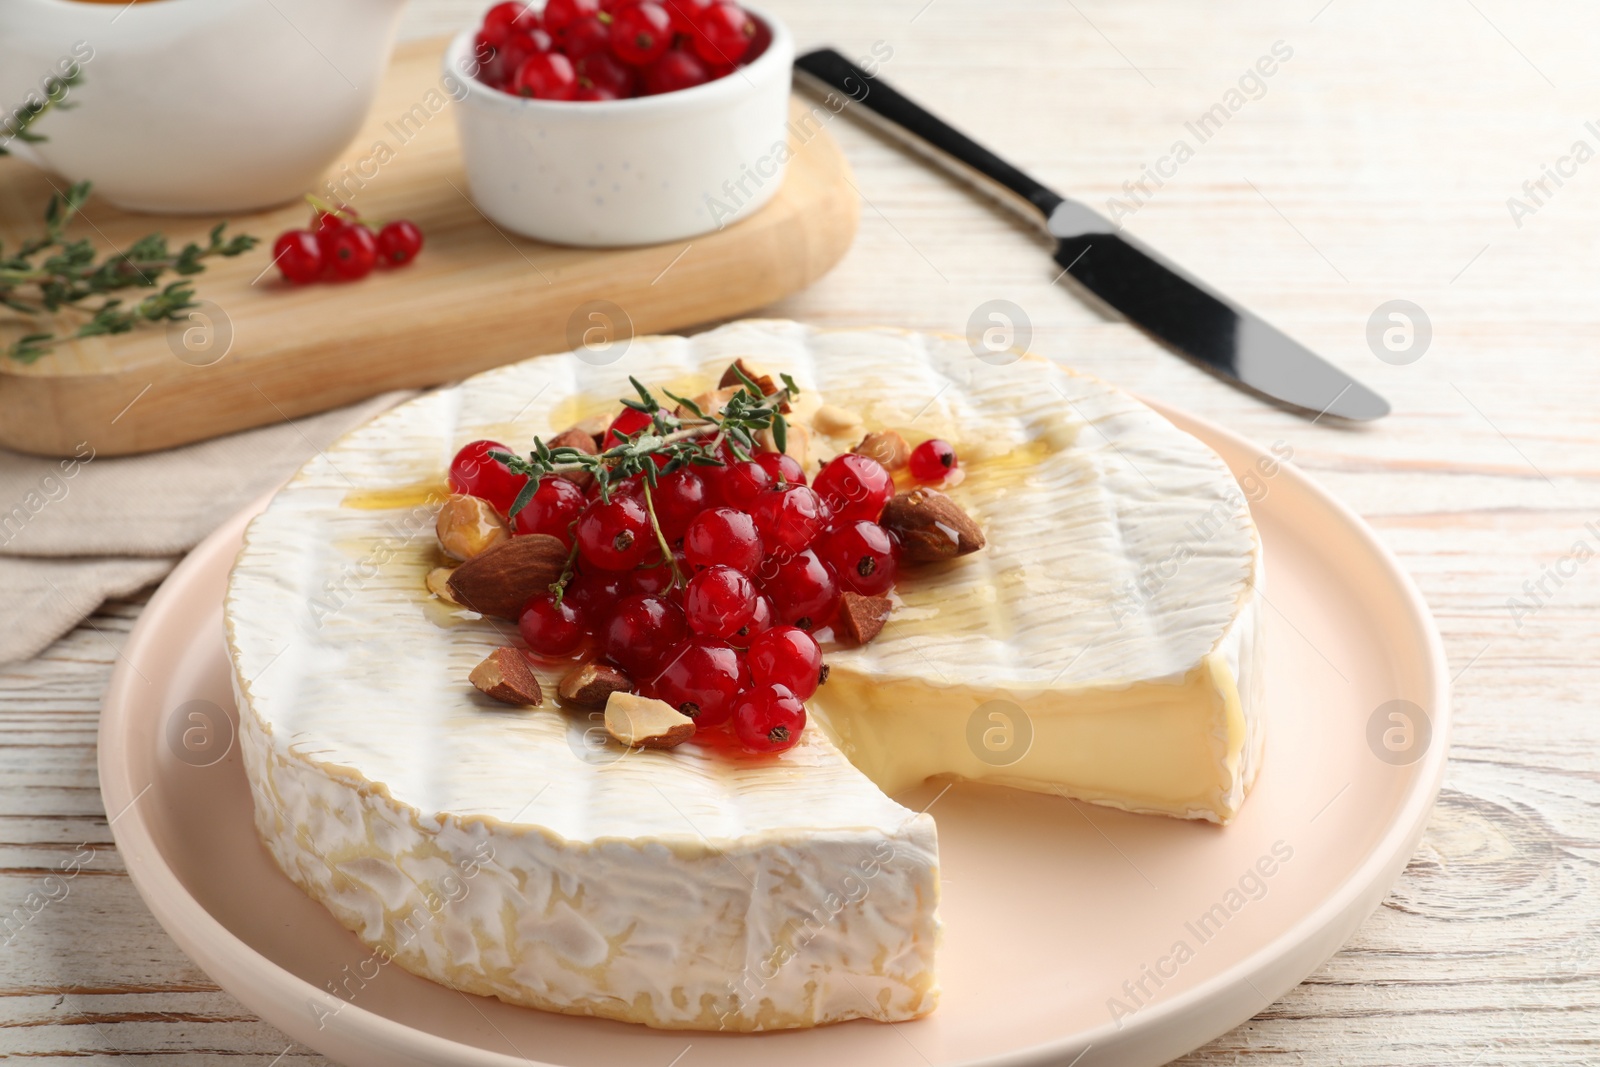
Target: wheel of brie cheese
{"points": [[1104, 646]]}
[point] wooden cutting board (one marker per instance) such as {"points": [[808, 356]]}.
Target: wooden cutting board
{"points": [[475, 298]]}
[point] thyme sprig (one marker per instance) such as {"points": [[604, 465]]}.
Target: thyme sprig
{"points": [[15, 126], [695, 438], [49, 274]]}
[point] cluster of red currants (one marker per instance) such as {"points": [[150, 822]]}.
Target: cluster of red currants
{"points": [[766, 557], [612, 49], [339, 247]]}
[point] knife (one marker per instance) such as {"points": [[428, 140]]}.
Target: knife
{"points": [[1159, 297]]}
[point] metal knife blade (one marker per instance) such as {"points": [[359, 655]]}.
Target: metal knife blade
{"points": [[1154, 294]]}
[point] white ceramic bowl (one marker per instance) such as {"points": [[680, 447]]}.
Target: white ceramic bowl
{"points": [[628, 172]]}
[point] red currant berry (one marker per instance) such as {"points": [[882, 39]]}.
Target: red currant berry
{"points": [[739, 483], [550, 629], [723, 32], [641, 632], [641, 33], [399, 242], [595, 595], [786, 656], [559, 14], [327, 222], [546, 76], [861, 554], [719, 601], [677, 68], [701, 678], [783, 468], [804, 591], [473, 473], [586, 37], [615, 535], [555, 506], [298, 255], [678, 498], [519, 46], [593, 94], [789, 519], [501, 20], [628, 424], [723, 535], [656, 580], [932, 460], [768, 718], [760, 622], [352, 251], [854, 487], [683, 13]]}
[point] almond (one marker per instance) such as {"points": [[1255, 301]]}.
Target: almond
{"points": [[931, 527], [468, 526], [756, 373], [887, 447], [507, 677], [640, 722], [711, 402], [501, 580], [438, 583], [861, 618], [832, 419], [583, 441], [592, 684]]}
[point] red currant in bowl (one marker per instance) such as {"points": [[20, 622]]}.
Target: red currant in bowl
{"points": [[719, 601], [641, 33], [702, 678], [932, 460], [786, 656], [768, 718], [474, 473]]}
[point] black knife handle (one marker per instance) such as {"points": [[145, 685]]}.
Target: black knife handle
{"points": [[931, 136]]}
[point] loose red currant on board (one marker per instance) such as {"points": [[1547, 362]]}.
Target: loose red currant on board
{"points": [[701, 678], [677, 68], [719, 601], [298, 255], [399, 242], [854, 487], [722, 32], [782, 467], [352, 251], [641, 33], [641, 631], [861, 554], [723, 535], [804, 591], [555, 506], [615, 535], [473, 473], [786, 656], [789, 519], [559, 14], [932, 460], [678, 498], [549, 628], [768, 718], [326, 222], [546, 76]]}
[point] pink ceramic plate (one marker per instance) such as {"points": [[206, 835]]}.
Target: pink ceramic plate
{"points": [[1071, 931]]}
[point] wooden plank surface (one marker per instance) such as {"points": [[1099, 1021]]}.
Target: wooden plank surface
{"points": [[477, 297], [1376, 166]]}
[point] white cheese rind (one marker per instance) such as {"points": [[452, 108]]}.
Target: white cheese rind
{"points": [[685, 889]]}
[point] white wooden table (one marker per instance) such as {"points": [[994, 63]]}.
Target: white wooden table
{"points": [[1375, 164]]}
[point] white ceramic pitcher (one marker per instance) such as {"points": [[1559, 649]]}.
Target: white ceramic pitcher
{"points": [[196, 106]]}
